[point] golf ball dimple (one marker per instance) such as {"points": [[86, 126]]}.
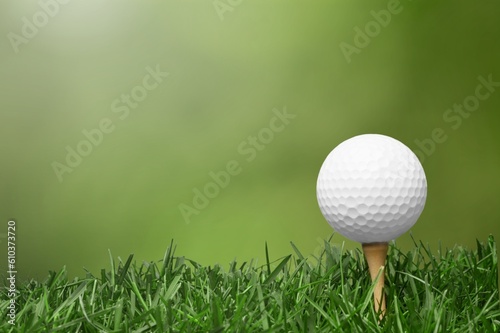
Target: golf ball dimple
{"points": [[371, 188]]}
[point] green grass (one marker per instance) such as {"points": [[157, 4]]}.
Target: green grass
{"points": [[444, 291]]}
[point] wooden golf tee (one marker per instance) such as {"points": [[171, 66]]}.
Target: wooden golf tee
{"points": [[376, 254]]}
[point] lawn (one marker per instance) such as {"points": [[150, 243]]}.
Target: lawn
{"points": [[452, 290]]}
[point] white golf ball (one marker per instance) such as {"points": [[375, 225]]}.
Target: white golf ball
{"points": [[371, 188]]}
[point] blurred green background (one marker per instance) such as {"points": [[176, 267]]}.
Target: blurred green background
{"points": [[230, 64]]}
